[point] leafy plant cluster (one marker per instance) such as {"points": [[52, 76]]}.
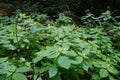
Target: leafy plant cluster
{"points": [[35, 48]]}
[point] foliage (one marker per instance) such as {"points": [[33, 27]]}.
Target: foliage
{"points": [[35, 48]]}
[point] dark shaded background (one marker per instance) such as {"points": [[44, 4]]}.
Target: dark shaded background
{"points": [[78, 7]]}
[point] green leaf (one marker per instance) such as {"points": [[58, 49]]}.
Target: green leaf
{"points": [[100, 64], [82, 44], [78, 60], [111, 78], [54, 55], [64, 62], [12, 68], [19, 76], [70, 53], [61, 35], [85, 67], [39, 78], [9, 46], [3, 59], [112, 70], [26, 40], [4, 68], [86, 51], [4, 42], [23, 69], [57, 77], [37, 59], [41, 55], [95, 77], [103, 73], [35, 76], [53, 71]]}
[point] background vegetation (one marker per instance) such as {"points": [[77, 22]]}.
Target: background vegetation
{"points": [[59, 40]]}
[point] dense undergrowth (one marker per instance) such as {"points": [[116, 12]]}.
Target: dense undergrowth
{"points": [[36, 48]]}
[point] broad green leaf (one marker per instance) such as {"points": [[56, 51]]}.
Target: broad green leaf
{"points": [[95, 77], [78, 60], [53, 71], [9, 46], [4, 68], [53, 55], [23, 69], [82, 44], [57, 77], [100, 64], [33, 29], [64, 62], [12, 68], [37, 59], [112, 70], [26, 40], [39, 78], [42, 69], [61, 35], [3, 59], [65, 46], [41, 55], [53, 48], [85, 67], [111, 78], [22, 59], [103, 73], [89, 63], [22, 45], [4, 42], [86, 51], [70, 53], [35, 76], [19, 76], [3, 71]]}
